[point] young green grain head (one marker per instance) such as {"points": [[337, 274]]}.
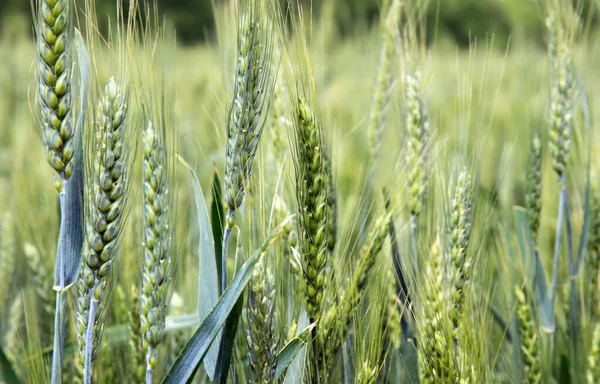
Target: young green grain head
{"points": [[383, 84], [261, 333], [460, 264], [250, 104], [530, 345], [156, 265], [533, 193], [312, 196], [435, 343], [562, 97], [107, 192], [417, 125], [54, 39]]}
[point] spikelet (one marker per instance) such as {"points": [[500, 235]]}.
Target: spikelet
{"points": [[417, 125], [533, 194], [593, 359], [104, 220], [383, 85], [459, 233], [311, 193], [529, 339], [261, 334], [435, 345], [561, 98], [54, 40], [250, 102], [156, 273]]}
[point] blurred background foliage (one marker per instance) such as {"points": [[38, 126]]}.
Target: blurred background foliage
{"points": [[456, 22]]}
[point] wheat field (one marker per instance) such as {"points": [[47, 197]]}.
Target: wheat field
{"points": [[283, 204]]}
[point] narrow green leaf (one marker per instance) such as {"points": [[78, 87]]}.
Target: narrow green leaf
{"points": [[208, 277], [217, 219], [7, 372], [291, 349], [227, 342], [295, 372], [194, 352]]}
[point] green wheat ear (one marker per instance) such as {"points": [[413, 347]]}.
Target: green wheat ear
{"points": [[533, 194], [562, 97], [312, 196], [54, 84], [530, 345]]}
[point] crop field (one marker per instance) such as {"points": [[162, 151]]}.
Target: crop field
{"points": [[287, 203]]}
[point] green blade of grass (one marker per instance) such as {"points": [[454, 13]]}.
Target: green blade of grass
{"points": [[227, 342], [288, 353], [208, 276], [217, 219], [195, 350]]}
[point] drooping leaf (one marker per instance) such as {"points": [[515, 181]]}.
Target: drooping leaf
{"points": [[217, 219], [288, 353], [208, 277], [295, 372], [195, 350], [228, 337]]}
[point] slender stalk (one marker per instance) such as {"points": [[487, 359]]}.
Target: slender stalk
{"points": [[149, 371], [59, 314], [559, 224], [226, 233], [89, 336]]}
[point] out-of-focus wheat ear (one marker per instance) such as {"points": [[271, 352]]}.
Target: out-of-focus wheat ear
{"points": [[54, 62], [13, 342], [105, 203], [460, 263], [335, 324], [156, 269], [38, 277], [312, 196], [7, 258], [533, 194], [247, 114], [593, 360], [417, 146], [562, 98], [594, 251], [530, 345], [383, 84], [435, 346], [261, 333], [136, 368]]}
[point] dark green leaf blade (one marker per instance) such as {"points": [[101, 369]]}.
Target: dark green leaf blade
{"points": [[291, 349], [192, 355]]}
